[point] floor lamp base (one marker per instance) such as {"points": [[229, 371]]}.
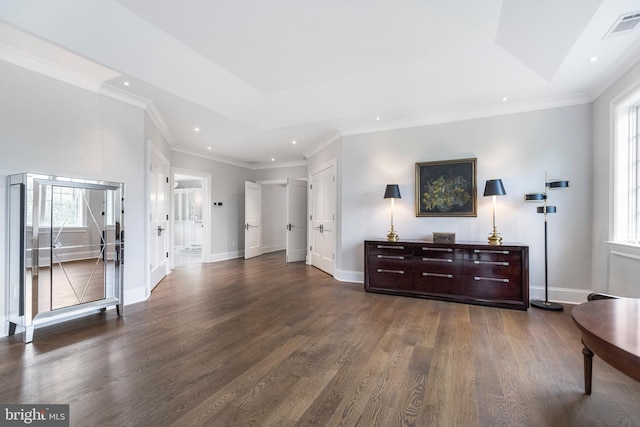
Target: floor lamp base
{"points": [[547, 305]]}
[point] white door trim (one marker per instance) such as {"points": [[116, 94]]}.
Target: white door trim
{"points": [[152, 150], [252, 219], [330, 164], [296, 207], [206, 211]]}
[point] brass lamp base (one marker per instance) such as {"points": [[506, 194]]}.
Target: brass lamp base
{"points": [[495, 238], [392, 236]]}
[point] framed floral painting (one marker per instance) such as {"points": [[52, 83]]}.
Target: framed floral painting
{"points": [[446, 188]]}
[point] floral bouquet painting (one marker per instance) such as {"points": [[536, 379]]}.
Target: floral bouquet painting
{"points": [[446, 188]]}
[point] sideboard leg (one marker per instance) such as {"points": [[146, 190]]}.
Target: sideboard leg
{"points": [[588, 369]]}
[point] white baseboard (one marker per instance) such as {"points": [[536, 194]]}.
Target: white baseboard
{"points": [[225, 256], [561, 295], [273, 248], [349, 276], [134, 295]]}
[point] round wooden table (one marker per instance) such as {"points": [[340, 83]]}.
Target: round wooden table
{"points": [[610, 328]]}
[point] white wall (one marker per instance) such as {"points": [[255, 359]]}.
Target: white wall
{"points": [[274, 217], [274, 204], [517, 148], [51, 127], [608, 271]]}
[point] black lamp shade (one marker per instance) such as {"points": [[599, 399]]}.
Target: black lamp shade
{"points": [[392, 192], [549, 209], [535, 197], [559, 184], [494, 187]]}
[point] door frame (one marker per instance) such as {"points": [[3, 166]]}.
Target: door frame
{"points": [[206, 211], [302, 182], [152, 149], [330, 164], [247, 253], [285, 182]]}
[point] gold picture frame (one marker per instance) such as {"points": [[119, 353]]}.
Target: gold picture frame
{"points": [[446, 188]]}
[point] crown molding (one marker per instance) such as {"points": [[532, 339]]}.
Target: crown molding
{"points": [[323, 143], [46, 68], [122, 96], [610, 78], [158, 121]]}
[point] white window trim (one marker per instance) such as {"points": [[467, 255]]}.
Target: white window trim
{"points": [[620, 182]]}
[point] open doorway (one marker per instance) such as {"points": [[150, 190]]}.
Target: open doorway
{"points": [[276, 218], [190, 217]]}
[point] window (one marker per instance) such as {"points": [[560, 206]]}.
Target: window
{"points": [[627, 170], [62, 207]]}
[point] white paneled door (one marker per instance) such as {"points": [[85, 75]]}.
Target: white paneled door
{"points": [[296, 242], [158, 219], [252, 219], [323, 219]]}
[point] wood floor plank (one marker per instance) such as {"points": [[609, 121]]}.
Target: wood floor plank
{"points": [[265, 343]]}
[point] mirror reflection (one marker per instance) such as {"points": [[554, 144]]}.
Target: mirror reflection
{"points": [[74, 233]]}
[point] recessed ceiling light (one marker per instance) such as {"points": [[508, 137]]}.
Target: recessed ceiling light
{"points": [[273, 159], [126, 83], [377, 118], [293, 142], [208, 148], [593, 59], [504, 98], [196, 129]]}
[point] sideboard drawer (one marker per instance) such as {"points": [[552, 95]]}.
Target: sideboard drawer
{"points": [[492, 288], [390, 248], [437, 252], [505, 269], [504, 255], [437, 265], [403, 265], [390, 277], [437, 283]]}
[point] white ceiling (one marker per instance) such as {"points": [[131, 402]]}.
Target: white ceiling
{"points": [[255, 75]]}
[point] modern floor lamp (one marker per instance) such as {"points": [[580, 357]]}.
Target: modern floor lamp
{"points": [[545, 209]]}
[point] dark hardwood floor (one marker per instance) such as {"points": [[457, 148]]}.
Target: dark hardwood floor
{"points": [[265, 343]]}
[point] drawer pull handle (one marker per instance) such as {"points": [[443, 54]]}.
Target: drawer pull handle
{"points": [[446, 276], [437, 249], [487, 251], [491, 279], [389, 247], [505, 264], [437, 259], [380, 270], [390, 257]]}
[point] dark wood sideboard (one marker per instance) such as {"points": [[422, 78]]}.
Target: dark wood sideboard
{"points": [[468, 272]]}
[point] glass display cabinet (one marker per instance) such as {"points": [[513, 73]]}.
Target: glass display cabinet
{"points": [[66, 248]]}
